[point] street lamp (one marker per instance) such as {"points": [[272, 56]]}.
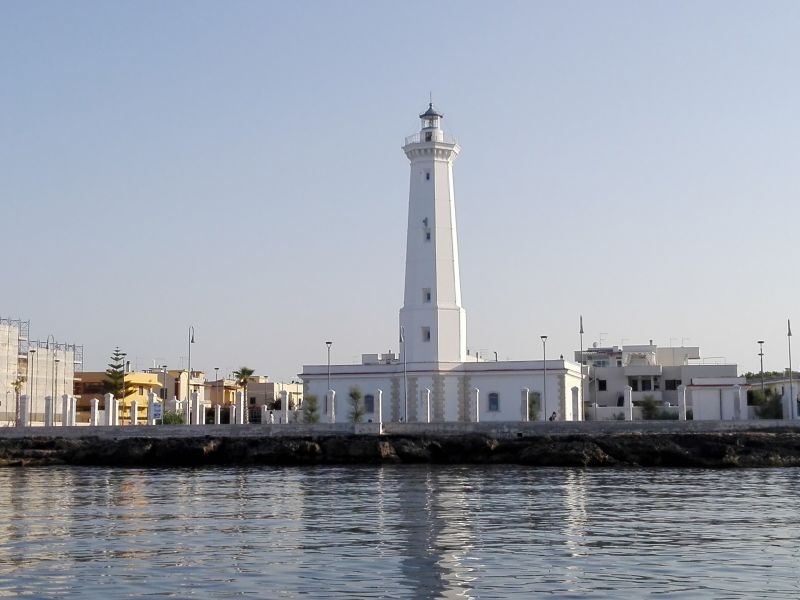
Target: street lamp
{"points": [[189, 376], [55, 379], [51, 371], [32, 389], [761, 354], [329, 344], [544, 373], [792, 402]]}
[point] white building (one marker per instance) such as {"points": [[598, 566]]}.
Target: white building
{"points": [[433, 372], [712, 391]]}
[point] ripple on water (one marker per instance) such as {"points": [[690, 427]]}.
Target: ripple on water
{"points": [[399, 532]]}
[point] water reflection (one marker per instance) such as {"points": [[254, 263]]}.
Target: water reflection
{"points": [[398, 532]]}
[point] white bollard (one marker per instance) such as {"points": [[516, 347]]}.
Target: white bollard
{"points": [[48, 411], [379, 411], [427, 395], [741, 399], [94, 416], [68, 401], [628, 403], [64, 410], [109, 408], [24, 410], [525, 406], [241, 409], [151, 403], [134, 412], [285, 405], [217, 414], [196, 409], [681, 402], [576, 409], [331, 396]]}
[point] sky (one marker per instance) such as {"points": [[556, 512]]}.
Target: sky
{"points": [[237, 167]]}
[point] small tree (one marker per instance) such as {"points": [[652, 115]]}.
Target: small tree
{"points": [[357, 408], [534, 405], [649, 408], [242, 377], [114, 383], [311, 409], [171, 418], [771, 407], [17, 385]]}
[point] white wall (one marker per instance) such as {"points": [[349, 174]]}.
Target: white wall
{"points": [[507, 379]]}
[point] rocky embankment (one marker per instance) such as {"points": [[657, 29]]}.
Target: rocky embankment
{"points": [[715, 450]]}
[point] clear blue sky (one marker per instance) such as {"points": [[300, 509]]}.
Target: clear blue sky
{"points": [[237, 166]]}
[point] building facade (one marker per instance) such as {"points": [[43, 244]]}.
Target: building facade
{"points": [[33, 368], [661, 374]]}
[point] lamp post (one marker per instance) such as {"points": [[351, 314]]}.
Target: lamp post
{"points": [[582, 404], [761, 354], [189, 377], [544, 373], [792, 402], [31, 389], [405, 373], [51, 372], [55, 379], [328, 344]]}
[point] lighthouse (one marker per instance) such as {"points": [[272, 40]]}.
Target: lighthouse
{"points": [[432, 320], [431, 379]]}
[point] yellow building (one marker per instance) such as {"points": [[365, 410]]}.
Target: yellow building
{"points": [[222, 392], [91, 384]]}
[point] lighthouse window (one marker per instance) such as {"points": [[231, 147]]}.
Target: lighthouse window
{"points": [[428, 136], [426, 334], [427, 235], [426, 294], [427, 175], [494, 402]]}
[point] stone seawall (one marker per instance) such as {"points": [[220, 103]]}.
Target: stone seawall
{"points": [[626, 447]]}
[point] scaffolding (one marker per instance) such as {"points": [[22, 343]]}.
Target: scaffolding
{"points": [[37, 364]]}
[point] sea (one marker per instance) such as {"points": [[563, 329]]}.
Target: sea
{"points": [[399, 532]]}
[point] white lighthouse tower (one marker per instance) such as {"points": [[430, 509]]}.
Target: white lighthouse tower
{"points": [[432, 319]]}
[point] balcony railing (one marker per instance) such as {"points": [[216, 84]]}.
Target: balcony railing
{"points": [[441, 137]]}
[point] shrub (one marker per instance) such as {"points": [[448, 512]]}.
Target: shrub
{"points": [[311, 409], [649, 408], [771, 409], [534, 404], [172, 418], [357, 408]]}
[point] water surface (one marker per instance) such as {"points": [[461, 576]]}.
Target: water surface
{"points": [[399, 532]]}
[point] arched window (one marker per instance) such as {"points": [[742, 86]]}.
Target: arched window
{"points": [[494, 402], [369, 403]]}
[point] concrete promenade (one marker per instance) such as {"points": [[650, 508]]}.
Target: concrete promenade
{"points": [[500, 430]]}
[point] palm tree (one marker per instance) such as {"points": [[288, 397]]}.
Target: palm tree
{"points": [[242, 376]]}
